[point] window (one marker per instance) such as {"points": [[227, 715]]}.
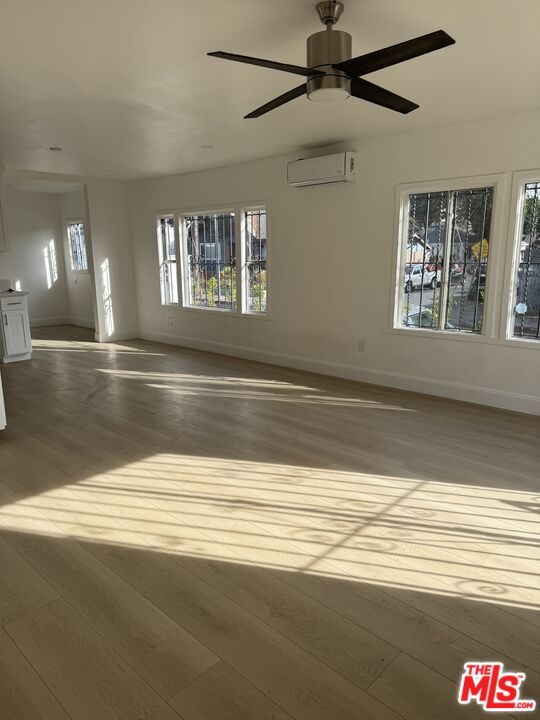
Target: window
{"points": [[444, 259], [255, 260], [224, 260], [526, 311], [77, 246], [168, 274], [210, 260]]}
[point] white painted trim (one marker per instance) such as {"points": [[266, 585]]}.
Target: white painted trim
{"points": [[82, 322], [184, 279], [82, 221], [117, 336], [442, 388], [3, 421], [16, 358], [519, 180], [216, 311], [47, 322], [497, 244], [521, 343]]}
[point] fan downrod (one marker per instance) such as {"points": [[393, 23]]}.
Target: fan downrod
{"points": [[330, 12]]}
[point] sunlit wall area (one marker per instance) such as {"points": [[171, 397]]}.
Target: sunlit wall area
{"points": [[112, 255], [106, 298]]}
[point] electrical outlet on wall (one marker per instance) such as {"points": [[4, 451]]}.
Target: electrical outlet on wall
{"points": [[361, 345]]}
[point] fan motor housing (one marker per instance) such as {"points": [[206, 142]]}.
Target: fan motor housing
{"points": [[324, 49]]}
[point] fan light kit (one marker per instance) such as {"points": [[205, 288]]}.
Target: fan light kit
{"points": [[332, 74]]}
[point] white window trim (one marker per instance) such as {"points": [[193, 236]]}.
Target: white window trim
{"points": [[519, 180], [241, 310], [158, 216], [497, 253], [68, 222], [243, 263]]}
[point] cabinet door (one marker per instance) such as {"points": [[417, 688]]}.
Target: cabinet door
{"points": [[16, 332]]}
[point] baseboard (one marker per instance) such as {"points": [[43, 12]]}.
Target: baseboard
{"points": [[117, 336], [82, 322], [442, 388], [48, 322]]}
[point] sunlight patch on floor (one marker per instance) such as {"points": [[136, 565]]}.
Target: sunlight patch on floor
{"points": [[79, 346], [456, 540], [189, 385]]}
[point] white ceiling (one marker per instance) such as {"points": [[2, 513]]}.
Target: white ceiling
{"points": [[126, 89]]}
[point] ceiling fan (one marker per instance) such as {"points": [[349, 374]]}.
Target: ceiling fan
{"points": [[331, 72]]}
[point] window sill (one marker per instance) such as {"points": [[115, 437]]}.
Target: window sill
{"points": [[216, 311], [464, 337]]}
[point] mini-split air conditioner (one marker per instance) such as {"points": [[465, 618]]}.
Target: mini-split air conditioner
{"points": [[340, 167]]}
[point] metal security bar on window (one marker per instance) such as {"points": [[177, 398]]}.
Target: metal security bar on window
{"points": [[168, 276], [446, 259], [527, 307], [77, 246], [255, 276], [210, 250]]}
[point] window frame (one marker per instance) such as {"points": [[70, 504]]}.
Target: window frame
{"points": [[491, 314], [185, 274], [158, 217], [241, 309], [245, 262], [72, 221], [520, 179]]}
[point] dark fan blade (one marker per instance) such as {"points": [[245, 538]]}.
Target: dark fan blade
{"points": [[296, 69], [394, 54], [276, 102], [378, 95]]}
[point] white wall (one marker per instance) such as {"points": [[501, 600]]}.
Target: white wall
{"points": [[34, 220], [80, 292], [332, 265], [112, 258]]}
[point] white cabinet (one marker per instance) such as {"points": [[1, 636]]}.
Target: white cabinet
{"points": [[16, 343]]}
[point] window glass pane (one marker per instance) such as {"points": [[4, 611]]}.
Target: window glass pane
{"points": [[256, 260], [77, 246], [211, 260], [168, 276], [527, 307], [445, 271], [424, 259], [468, 259]]}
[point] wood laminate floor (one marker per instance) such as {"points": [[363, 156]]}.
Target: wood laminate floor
{"points": [[187, 535]]}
